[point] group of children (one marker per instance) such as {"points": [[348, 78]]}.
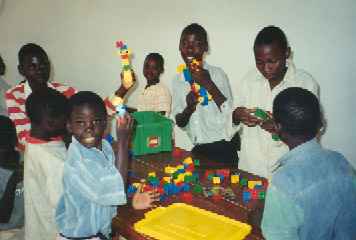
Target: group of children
{"points": [[72, 193]]}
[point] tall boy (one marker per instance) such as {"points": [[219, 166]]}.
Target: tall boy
{"points": [[34, 66], [44, 158], [274, 72], [209, 125], [312, 194]]}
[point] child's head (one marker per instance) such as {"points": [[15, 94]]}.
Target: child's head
{"points": [[193, 43], [9, 157], [87, 118], [297, 113], [271, 53], [153, 67], [34, 65], [47, 110]]}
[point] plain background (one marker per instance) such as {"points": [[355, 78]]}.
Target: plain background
{"points": [[79, 37]]}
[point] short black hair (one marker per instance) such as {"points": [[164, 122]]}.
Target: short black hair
{"points": [[30, 49], [88, 98], [158, 58], [196, 29], [46, 102], [8, 136], [271, 34], [298, 111]]}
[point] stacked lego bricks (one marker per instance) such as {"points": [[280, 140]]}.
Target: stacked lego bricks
{"points": [[212, 186]]}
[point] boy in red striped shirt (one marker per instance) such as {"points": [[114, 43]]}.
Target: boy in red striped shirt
{"points": [[34, 65]]}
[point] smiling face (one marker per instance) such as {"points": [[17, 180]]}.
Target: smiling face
{"points": [[192, 47], [36, 69], [271, 61], [87, 124]]}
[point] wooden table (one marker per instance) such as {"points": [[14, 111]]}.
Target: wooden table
{"points": [[250, 212]]}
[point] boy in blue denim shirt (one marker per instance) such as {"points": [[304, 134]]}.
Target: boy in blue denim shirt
{"points": [[312, 194], [93, 180]]}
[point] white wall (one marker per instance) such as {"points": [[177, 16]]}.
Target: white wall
{"points": [[79, 37]]}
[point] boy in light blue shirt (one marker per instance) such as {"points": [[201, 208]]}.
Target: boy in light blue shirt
{"points": [[93, 180], [312, 194]]}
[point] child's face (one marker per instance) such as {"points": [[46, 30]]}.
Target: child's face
{"points": [[191, 46], [53, 127], [36, 69], [151, 70], [87, 124], [271, 61]]}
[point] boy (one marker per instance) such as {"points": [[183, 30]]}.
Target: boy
{"points": [[11, 179], [44, 158], [312, 194], [155, 96], [275, 72], [209, 126], [4, 86], [34, 65], [93, 181]]}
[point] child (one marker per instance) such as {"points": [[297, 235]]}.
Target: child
{"points": [[44, 158], [312, 194], [11, 178], [275, 72], [208, 126], [4, 86], [155, 96], [34, 65], [93, 187]]}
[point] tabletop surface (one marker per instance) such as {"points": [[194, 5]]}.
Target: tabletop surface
{"points": [[235, 208]]}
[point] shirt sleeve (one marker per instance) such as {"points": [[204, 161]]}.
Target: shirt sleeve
{"points": [[101, 184], [281, 216]]}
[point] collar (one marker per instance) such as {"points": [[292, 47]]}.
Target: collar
{"points": [[297, 151], [104, 146], [35, 140]]}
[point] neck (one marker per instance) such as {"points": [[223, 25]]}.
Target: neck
{"points": [[293, 142], [36, 132], [276, 81], [152, 82]]}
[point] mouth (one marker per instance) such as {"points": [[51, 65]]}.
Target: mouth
{"points": [[88, 140]]}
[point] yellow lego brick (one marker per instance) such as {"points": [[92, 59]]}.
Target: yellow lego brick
{"points": [[169, 170], [151, 174], [235, 179], [180, 167], [167, 179], [216, 180], [252, 184], [188, 160]]}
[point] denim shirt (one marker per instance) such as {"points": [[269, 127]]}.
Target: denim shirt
{"points": [[312, 195], [92, 188]]}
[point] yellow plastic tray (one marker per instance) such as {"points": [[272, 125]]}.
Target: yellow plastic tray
{"points": [[183, 222]]}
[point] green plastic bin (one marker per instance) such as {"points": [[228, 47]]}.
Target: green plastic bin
{"points": [[153, 133]]}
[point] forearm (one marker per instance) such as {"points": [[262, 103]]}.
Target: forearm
{"points": [[217, 95], [182, 118], [122, 157], [121, 91]]}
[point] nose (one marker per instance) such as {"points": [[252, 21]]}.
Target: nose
{"points": [[89, 126], [267, 67]]}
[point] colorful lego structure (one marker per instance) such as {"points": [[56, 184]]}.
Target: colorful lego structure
{"points": [[125, 54], [200, 92]]}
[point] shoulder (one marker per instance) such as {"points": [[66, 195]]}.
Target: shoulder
{"points": [[19, 88], [306, 79], [64, 89], [214, 69]]}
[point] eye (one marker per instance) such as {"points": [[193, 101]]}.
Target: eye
{"points": [[98, 122], [80, 123]]}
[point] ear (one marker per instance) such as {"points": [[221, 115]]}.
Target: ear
{"points": [[20, 69], [288, 52], [69, 127]]}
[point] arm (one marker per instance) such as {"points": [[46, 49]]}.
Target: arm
{"points": [[281, 217], [182, 118]]}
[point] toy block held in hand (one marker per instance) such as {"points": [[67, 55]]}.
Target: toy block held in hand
{"points": [[125, 54]]}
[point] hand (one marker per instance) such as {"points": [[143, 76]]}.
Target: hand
{"points": [[246, 116], [269, 126], [202, 77], [124, 126], [128, 87], [192, 100], [144, 200]]}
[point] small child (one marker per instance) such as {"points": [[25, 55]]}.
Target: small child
{"points": [[11, 178], [93, 180], [155, 96], [44, 158]]}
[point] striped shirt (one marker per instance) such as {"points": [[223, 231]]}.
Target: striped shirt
{"points": [[15, 101]]}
